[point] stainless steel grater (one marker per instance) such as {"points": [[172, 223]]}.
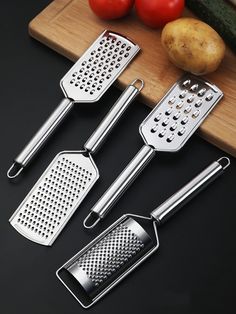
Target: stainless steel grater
{"points": [[85, 82], [167, 128], [62, 187], [128, 242], [97, 265]]}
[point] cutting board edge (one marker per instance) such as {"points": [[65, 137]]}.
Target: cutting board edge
{"points": [[226, 147]]}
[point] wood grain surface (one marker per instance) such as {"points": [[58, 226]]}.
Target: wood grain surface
{"points": [[69, 27]]}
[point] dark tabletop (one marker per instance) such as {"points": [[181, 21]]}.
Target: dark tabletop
{"points": [[194, 269]]}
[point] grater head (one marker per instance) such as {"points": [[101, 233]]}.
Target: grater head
{"points": [[98, 67], [179, 113], [55, 197], [106, 260]]}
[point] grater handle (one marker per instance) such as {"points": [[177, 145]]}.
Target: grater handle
{"points": [[118, 187], [185, 194], [114, 115], [39, 139]]}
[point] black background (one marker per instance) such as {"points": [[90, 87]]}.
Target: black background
{"points": [[194, 269]]}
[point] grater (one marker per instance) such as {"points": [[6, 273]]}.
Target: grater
{"points": [[85, 82], [129, 241], [167, 128], [67, 180]]}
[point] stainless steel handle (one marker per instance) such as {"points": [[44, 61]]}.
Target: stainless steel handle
{"points": [[185, 194], [118, 187], [34, 145], [113, 116]]}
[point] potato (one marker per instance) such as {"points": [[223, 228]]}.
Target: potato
{"points": [[193, 45]]}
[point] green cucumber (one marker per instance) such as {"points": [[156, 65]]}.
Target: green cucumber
{"points": [[218, 14]]}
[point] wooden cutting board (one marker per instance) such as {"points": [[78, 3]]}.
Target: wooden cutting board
{"points": [[69, 27]]}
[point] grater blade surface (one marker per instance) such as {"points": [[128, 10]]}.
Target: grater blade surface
{"points": [[103, 262], [179, 113], [98, 67], [55, 197]]}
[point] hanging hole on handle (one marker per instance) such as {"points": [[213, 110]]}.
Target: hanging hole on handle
{"points": [[14, 170], [224, 162], [138, 83], [91, 220]]}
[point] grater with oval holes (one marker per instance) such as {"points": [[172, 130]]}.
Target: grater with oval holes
{"points": [[128, 242], [85, 82], [167, 128], [67, 180]]}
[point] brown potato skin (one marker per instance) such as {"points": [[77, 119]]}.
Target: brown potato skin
{"points": [[193, 45]]}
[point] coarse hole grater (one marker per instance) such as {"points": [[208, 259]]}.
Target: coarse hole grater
{"points": [[85, 82], [128, 242], [68, 179], [167, 128]]}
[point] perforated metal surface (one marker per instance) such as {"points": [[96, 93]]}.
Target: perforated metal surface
{"points": [[55, 197], [179, 113], [110, 255], [98, 67]]}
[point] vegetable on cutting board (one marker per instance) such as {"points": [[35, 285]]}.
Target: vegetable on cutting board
{"points": [[153, 13], [192, 45], [220, 14], [111, 9], [156, 13]]}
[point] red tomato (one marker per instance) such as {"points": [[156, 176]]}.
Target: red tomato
{"points": [[111, 9], [156, 13]]}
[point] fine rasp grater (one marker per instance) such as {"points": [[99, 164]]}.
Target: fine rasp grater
{"points": [[64, 184], [85, 82], [167, 128], [111, 256]]}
